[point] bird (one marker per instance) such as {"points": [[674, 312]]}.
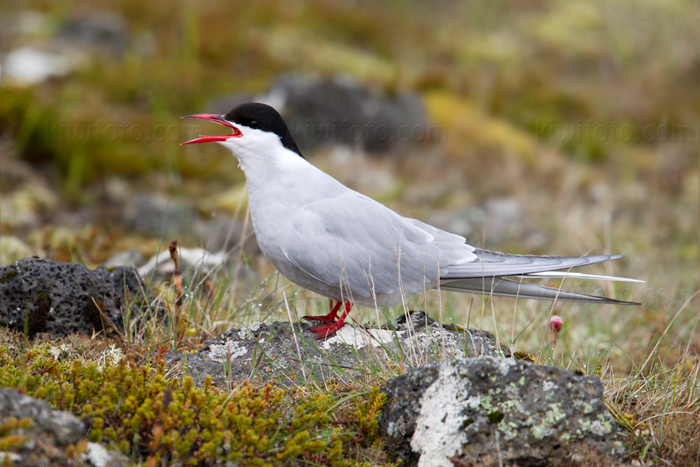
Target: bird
{"points": [[354, 250]]}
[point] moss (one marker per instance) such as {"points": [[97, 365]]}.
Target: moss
{"points": [[12, 442], [155, 420], [367, 415], [523, 356], [496, 417], [8, 275]]}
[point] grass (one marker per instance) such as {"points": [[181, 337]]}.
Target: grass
{"points": [[656, 403]]}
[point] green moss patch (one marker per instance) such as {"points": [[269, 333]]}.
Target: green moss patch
{"points": [[155, 419]]}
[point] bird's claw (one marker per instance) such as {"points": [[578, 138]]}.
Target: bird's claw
{"points": [[328, 330], [325, 318], [330, 317]]}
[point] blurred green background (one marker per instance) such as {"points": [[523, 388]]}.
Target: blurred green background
{"points": [[571, 127]]}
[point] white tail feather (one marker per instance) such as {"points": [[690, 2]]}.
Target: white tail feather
{"points": [[579, 275]]}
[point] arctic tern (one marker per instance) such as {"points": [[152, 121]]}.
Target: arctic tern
{"points": [[344, 245]]}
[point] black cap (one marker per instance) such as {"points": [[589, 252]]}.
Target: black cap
{"points": [[263, 117]]}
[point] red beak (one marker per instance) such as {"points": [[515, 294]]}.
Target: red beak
{"points": [[216, 119]]}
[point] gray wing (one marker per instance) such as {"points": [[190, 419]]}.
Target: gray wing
{"points": [[526, 290], [355, 241], [488, 263]]}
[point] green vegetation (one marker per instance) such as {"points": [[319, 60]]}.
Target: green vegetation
{"points": [[153, 419]]}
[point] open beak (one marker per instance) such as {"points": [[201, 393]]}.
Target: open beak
{"points": [[216, 119]]}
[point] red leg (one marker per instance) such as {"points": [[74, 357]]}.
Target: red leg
{"points": [[330, 317], [330, 329]]}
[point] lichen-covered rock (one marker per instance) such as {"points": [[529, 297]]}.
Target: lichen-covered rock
{"points": [[496, 411], [46, 433], [62, 427], [266, 352], [43, 296], [42, 436]]}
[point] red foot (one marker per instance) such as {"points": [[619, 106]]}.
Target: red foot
{"points": [[330, 317], [330, 329]]}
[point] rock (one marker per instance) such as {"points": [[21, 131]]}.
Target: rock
{"points": [[499, 219], [490, 411], [159, 215], [27, 198], [168, 217], [66, 298], [62, 427], [468, 222], [131, 258], [223, 233], [96, 30], [48, 435], [341, 110], [30, 65], [195, 260], [99, 456], [273, 352], [50, 432], [503, 218]]}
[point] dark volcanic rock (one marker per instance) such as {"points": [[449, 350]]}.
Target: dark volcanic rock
{"points": [[65, 298], [273, 352], [490, 411], [341, 110], [102, 30]]}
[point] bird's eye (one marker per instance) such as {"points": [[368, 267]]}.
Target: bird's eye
{"points": [[254, 124]]}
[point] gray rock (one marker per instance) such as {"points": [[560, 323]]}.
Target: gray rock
{"points": [[159, 215], [66, 298], [169, 217], [130, 258], [55, 429], [196, 261], [50, 433], [495, 221], [341, 110], [100, 30], [99, 456], [62, 427], [224, 233], [30, 65], [274, 352], [495, 411], [499, 218]]}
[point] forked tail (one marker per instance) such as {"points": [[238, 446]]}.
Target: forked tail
{"points": [[486, 276]]}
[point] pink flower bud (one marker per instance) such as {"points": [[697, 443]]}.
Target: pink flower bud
{"points": [[555, 324]]}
